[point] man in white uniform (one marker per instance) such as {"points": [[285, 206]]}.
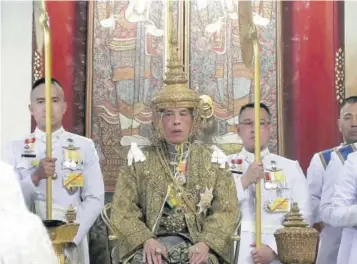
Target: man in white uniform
{"points": [[282, 181], [322, 166], [341, 209], [74, 166], [24, 239]]}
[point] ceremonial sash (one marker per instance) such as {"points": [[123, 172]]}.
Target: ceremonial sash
{"points": [[343, 152], [325, 156]]}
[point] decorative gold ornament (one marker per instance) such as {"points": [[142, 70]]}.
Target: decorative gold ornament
{"points": [[61, 233], [176, 92], [340, 75], [296, 242], [206, 200], [71, 215], [247, 31], [206, 106], [175, 222]]}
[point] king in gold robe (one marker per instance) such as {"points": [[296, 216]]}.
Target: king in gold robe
{"points": [[176, 201], [141, 207]]}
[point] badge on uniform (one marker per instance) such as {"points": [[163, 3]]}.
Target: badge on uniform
{"points": [[278, 205], [237, 166], [73, 181], [29, 148], [71, 157], [181, 172], [274, 178]]}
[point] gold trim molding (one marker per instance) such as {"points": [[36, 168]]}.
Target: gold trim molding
{"points": [[340, 75]]}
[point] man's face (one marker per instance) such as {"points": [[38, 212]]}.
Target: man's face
{"points": [[177, 124], [38, 106], [245, 128], [348, 123]]}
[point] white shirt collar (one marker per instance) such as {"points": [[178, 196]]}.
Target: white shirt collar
{"points": [[250, 157], [41, 135]]}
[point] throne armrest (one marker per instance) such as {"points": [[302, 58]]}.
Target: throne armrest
{"points": [[105, 214]]}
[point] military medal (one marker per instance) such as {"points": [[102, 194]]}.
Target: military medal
{"points": [[29, 148], [180, 175], [73, 181], [267, 181], [277, 205], [237, 166], [274, 178], [205, 201], [71, 157]]}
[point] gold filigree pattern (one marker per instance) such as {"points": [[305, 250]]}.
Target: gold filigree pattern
{"points": [[340, 75], [142, 189], [37, 65]]}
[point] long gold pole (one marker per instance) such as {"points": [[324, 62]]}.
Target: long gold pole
{"points": [[48, 99], [169, 29], [181, 29], [187, 35], [258, 220]]}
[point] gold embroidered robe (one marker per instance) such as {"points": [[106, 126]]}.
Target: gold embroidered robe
{"points": [[141, 192]]}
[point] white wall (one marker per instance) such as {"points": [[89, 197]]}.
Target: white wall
{"points": [[16, 73]]}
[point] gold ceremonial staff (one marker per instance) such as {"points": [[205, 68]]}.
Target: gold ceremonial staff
{"points": [[250, 46], [296, 242], [61, 233], [48, 98]]}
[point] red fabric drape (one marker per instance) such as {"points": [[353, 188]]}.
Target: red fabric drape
{"points": [[62, 26], [311, 108]]}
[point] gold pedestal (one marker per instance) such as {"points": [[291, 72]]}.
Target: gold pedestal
{"points": [[296, 242], [61, 234]]}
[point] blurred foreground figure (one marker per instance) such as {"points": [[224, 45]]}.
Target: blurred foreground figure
{"points": [[24, 239]]}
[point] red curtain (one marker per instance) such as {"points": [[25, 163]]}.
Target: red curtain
{"points": [[62, 23], [62, 18], [310, 36], [68, 25]]}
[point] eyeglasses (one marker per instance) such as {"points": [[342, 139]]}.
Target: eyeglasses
{"points": [[250, 124]]}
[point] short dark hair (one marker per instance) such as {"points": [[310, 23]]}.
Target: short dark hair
{"points": [[251, 105], [349, 100], [43, 81]]}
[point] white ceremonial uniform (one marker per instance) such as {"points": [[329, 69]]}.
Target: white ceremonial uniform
{"points": [[293, 186], [315, 179], [329, 236], [24, 239], [340, 209], [77, 167]]}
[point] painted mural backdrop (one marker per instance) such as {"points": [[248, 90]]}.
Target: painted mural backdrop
{"points": [[128, 65]]}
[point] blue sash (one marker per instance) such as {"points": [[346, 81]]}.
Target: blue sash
{"points": [[325, 156], [343, 152]]}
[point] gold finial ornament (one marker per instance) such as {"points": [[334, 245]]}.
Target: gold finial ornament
{"points": [[247, 31], [71, 215], [296, 242]]}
